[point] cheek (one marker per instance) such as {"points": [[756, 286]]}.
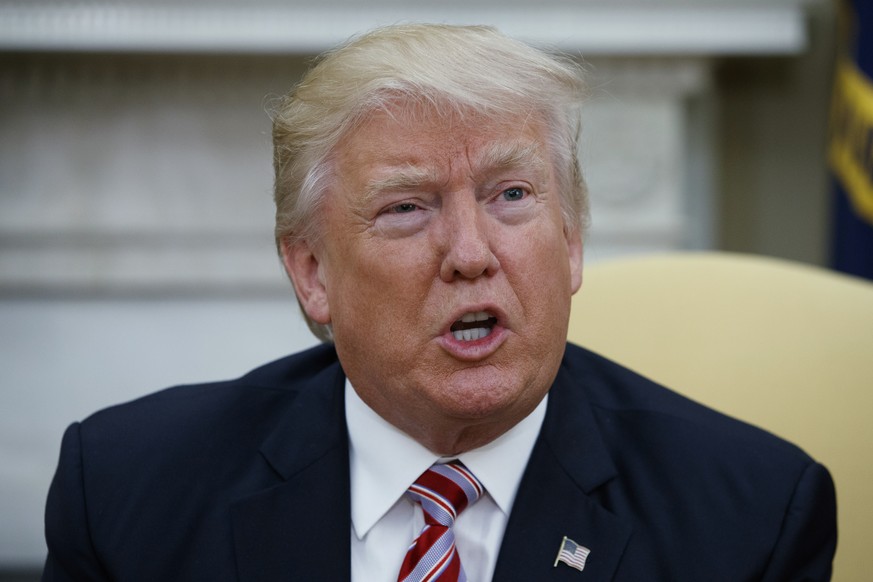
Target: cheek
{"points": [[375, 278], [538, 272], [400, 262], [538, 252]]}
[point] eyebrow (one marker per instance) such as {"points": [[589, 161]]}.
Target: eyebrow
{"points": [[402, 178], [504, 156]]}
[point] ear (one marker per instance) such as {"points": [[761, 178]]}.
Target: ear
{"points": [[574, 248], [304, 267]]}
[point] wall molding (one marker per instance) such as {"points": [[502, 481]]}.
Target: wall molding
{"points": [[590, 28]]}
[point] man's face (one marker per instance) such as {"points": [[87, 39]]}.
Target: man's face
{"points": [[445, 271]]}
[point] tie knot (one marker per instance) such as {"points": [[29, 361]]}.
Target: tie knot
{"points": [[444, 491]]}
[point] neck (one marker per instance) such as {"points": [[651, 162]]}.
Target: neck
{"points": [[451, 438], [454, 442]]}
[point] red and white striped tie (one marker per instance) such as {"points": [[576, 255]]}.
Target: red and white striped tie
{"points": [[443, 491]]}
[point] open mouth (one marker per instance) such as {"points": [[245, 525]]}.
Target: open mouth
{"points": [[473, 326]]}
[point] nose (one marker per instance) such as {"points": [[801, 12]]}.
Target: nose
{"points": [[468, 248]]}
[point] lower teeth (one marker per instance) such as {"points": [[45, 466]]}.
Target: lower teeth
{"points": [[471, 334]]}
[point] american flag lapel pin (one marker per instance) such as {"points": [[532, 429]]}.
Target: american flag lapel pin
{"points": [[572, 554]]}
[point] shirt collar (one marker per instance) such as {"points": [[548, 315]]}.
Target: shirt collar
{"points": [[384, 461]]}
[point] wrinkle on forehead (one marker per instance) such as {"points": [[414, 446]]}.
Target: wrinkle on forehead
{"points": [[495, 157], [440, 146]]}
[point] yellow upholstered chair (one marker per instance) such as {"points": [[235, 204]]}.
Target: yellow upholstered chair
{"points": [[784, 346]]}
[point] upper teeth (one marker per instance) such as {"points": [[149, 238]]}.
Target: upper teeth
{"points": [[473, 333], [478, 316]]}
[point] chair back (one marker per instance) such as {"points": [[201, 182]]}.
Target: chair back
{"points": [[784, 346]]}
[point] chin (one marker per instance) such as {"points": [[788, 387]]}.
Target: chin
{"points": [[486, 400]]}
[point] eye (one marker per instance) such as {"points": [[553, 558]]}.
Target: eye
{"points": [[398, 219], [513, 194], [403, 208]]}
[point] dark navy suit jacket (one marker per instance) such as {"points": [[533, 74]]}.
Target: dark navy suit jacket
{"points": [[249, 480]]}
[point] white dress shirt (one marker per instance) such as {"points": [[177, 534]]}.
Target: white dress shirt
{"points": [[384, 462]]}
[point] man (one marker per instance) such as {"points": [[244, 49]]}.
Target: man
{"points": [[430, 212]]}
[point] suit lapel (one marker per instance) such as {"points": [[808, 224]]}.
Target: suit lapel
{"points": [[299, 528], [568, 470]]}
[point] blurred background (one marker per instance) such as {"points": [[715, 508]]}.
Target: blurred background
{"points": [[135, 178]]}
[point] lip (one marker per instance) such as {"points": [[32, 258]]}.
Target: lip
{"points": [[474, 350]]}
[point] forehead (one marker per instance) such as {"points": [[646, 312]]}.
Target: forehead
{"points": [[424, 138]]}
